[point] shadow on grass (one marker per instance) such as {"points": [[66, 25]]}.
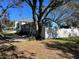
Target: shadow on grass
{"points": [[8, 41], [10, 51], [72, 39], [4, 49], [66, 47]]}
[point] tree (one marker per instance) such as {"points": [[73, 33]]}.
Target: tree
{"points": [[60, 14], [66, 14], [40, 13], [75, 16], [73, 20], [3, 10]]}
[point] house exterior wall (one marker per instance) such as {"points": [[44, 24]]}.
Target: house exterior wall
{"points": [[25, 27], [51, 32]]}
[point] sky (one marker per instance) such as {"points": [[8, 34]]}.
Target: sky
{"points": [[21, 13]]}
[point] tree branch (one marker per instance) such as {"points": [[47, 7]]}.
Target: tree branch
{"points": [[40, 10], [52, 2], [4, 10], [29, 3]]}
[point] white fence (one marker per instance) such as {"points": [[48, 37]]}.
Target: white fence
{"points": [[59, 33]]}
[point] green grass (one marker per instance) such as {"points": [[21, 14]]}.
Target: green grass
{"points": [[66, 45], [5, 33], [70, 39]]}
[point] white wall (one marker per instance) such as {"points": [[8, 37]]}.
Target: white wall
{"points": [[59, 33], [68, 32]]}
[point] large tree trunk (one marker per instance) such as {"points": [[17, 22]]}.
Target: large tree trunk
{"points": [[38, 32], [0, 28]]}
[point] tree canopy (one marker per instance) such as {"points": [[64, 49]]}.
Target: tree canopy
{"points": [[41, 11]]}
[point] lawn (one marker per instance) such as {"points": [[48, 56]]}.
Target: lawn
{"points": [[66, 48]]}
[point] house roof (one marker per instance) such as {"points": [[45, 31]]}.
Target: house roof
{"points": [[24, 20]]}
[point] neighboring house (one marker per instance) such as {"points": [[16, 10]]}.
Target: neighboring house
{"points": [[26, 27]]}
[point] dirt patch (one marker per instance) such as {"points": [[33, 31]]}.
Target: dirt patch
{"points": [[39, 50]]}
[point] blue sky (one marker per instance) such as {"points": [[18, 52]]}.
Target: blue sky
{"points": [[21, 13]]}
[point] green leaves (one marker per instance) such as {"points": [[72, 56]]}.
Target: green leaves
{"points": [[77, 5]]}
